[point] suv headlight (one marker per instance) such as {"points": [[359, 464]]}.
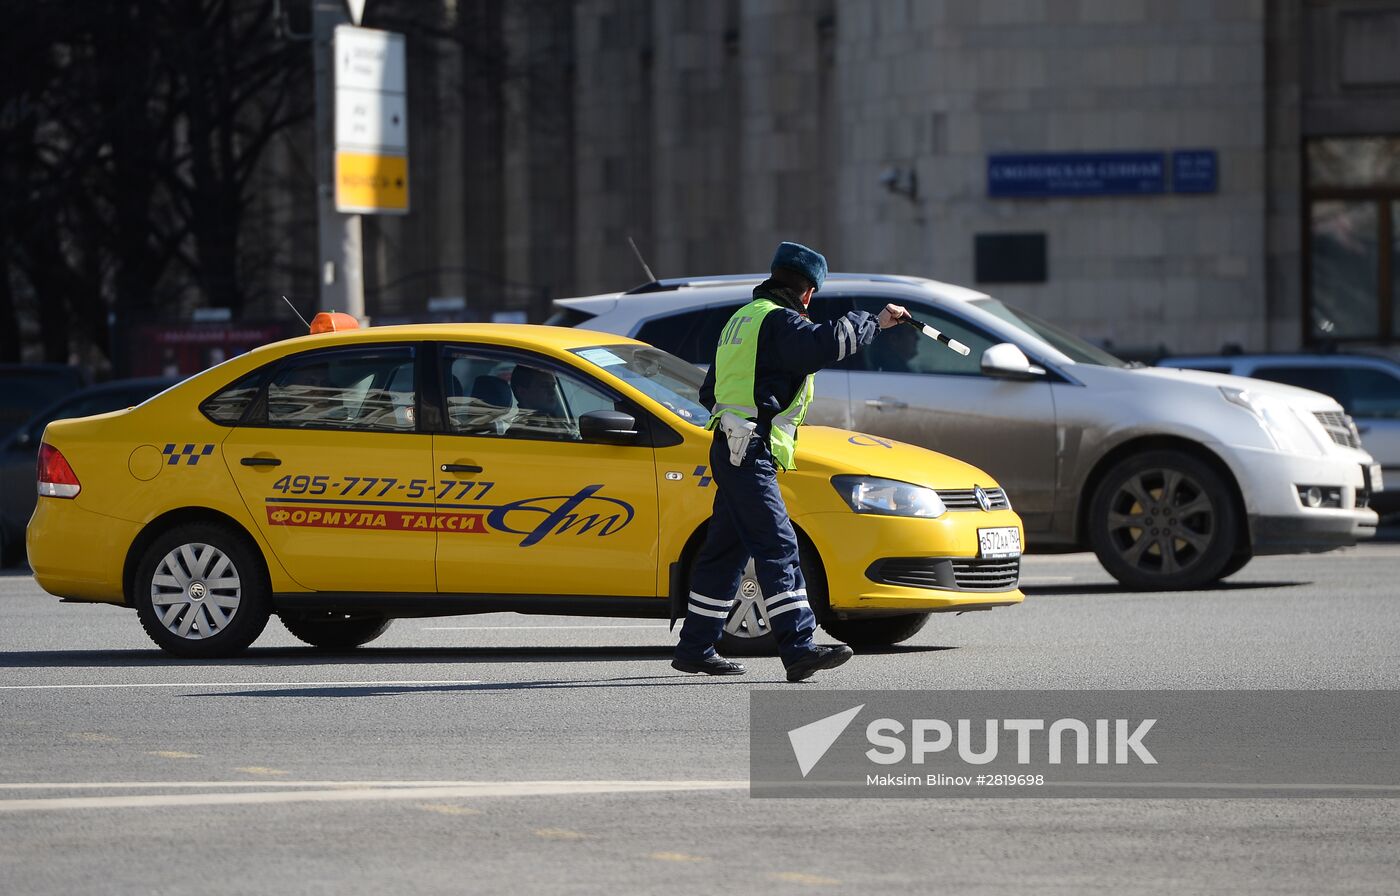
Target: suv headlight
{"points": [[889, 497], [1280, 422]]}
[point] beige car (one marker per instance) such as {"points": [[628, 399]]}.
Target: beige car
{"points": [[1174, 478]]}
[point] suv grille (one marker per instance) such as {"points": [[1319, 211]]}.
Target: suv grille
{"points": [[1340, 427], [966, 499], [947, 574]]}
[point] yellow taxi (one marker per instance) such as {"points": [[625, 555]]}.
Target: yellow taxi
{"points": [[345, 479]]}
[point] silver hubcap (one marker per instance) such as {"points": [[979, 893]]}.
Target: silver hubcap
{"points": [[195, 591], [749, 617], [1161, 521]]}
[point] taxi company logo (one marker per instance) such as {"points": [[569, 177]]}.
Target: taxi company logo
{"points": [[1097, 741], [578, 513], [582, 513]]}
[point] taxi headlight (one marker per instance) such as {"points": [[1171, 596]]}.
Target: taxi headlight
{"points": [[889, 497]]}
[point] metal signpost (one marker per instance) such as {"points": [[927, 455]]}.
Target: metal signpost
{"points": [[361, 143]]}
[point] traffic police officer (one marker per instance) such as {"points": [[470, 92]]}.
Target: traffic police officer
{"points": [[758, 390]]}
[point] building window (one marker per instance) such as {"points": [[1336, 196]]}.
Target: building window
{"points": [[1352, 284]]}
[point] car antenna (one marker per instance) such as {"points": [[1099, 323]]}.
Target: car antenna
{"points": [[651, 278], [295, 311]]}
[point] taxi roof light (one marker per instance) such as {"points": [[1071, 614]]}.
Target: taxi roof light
{"points": [[56, 477], [332, 322]]}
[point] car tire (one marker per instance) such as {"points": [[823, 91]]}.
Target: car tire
{"points": [[335, 631], [881, 631], [1237, 563], [1163, 521], [202, 592], [746, 631]]}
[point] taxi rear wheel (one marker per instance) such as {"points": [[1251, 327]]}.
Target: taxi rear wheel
{"points": [[335, 631], [882, 631], [202, 592]]}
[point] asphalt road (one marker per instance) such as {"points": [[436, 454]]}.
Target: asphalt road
{"points": [[505, 753]]}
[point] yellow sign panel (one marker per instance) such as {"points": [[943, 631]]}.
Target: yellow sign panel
{"points": [[366, 182]]}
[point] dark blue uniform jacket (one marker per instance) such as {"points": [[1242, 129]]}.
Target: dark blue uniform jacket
{"points": [[789, 348]]}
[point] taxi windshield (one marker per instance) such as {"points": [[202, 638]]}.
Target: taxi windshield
{"points": [[673, 383]]}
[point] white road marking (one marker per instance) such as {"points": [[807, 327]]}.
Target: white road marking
{"points": [[232, 684], [459, 790], [503, 628], [172, 785]]}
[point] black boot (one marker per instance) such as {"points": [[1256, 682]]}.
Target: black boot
{"points": [[710, 665], [819, 658]]}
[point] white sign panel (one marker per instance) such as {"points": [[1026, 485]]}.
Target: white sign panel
{"points": [[367, 119], [368, 59], [371, 122]]}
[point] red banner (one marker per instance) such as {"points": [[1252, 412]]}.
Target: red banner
{"points": [[389, 520]]}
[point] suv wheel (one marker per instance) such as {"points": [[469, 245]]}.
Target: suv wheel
{"points": [[1163, 520]]}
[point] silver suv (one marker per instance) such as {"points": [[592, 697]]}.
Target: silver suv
{"points": [[1174, 478], [1367, 387]]}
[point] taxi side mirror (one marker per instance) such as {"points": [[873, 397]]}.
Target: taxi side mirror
{"points": [[608, 427]]}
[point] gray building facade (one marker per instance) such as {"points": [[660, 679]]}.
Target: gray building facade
{"points": [[708, 131]]}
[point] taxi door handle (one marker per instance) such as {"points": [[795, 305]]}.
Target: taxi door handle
{"points": [[460, 468], [260, 462]]}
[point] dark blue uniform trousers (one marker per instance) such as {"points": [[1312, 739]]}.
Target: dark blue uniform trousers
{"points": [[749, 520]]}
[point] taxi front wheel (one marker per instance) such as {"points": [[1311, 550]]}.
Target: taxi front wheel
{"points": [[335, 631], [748, 630], [201, 592], [880, 631]]}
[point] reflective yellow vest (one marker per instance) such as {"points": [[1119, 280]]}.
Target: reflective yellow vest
{"points": [[735, 363]]}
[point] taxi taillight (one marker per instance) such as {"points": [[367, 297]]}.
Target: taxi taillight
{"points": [[56, 477]]}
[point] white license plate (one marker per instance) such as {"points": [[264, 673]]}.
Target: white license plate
{"points": [[1001, 542], [1377, 482]]}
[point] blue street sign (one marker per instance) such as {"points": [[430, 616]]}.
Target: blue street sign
{"points": [[1194, 171], [1077, 174]]}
